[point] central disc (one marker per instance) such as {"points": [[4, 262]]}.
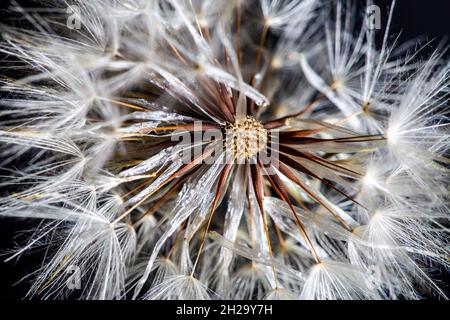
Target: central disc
{"points": [[245, 138]]}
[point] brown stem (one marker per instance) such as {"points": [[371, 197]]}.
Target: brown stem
{"points": [[280, 189], [220, 185]]}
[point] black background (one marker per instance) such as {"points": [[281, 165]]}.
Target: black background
{"points": [[413, 19]]}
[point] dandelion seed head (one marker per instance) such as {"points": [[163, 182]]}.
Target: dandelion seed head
{"points": [[245, 138], [127, 125]]}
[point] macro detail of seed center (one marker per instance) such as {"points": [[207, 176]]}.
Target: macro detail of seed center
{"points": [[245, 138]]}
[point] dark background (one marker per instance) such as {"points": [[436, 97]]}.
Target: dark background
{"points": [[423, 20]]}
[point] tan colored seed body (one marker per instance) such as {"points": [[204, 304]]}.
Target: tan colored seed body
{"points": [[245, 138]]}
